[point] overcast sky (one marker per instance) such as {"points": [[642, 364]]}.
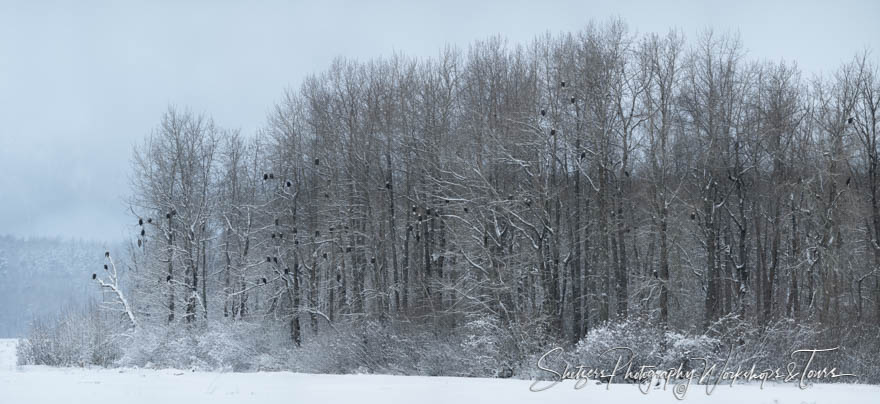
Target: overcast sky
{"points": [[81, 82]]}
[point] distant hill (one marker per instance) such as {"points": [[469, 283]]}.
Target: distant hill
{"points": [[38, 276]]}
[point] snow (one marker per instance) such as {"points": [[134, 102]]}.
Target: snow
{"points": [[40, 384], [7, 356]]}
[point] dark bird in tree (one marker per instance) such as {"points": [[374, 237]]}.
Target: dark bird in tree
{"points": [[387, 185], [268, 259], [281, 235], [150, 220], [173, 212], [289, 184], [372, 260], [414, 208], [428, 211], [265, 177], [626, 173], [848, 180], [326, 195], [552, 132], [295, 242], [273, 235], [265, 281], [272, 176], [139, 242], [294, 230], [140, 222], [94, 276], [583, 155], [849, 121], [572, 100], [324, 255], [106, 254], [693, 216], [275, 259], [317, 233], [317, 162], [168, 278], [465, 209], [562, 83], [543, 112], [168, 216], [286, 271], [143, 232], [348, 249]]}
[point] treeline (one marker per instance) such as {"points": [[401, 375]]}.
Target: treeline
{"points": [[550, 187]]}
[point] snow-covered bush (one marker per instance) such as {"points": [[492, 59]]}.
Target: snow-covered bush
{"points": [[681, 348], [71, 338], [236, 346], [646, 342], [599, 347]]}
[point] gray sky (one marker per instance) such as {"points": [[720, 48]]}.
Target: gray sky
{"points": [[81, 82]]}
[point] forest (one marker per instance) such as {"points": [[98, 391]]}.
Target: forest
{"points": [[462, 214]]}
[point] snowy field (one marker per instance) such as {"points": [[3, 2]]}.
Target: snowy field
{"points": [[40, 384]]}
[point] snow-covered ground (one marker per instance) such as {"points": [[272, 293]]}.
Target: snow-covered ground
{"points": [[40, 384]]}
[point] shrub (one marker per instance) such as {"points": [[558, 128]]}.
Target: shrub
{"points": [[71, 338]]}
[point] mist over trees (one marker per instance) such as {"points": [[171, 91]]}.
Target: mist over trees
{"points": [[525, 194], [39, 276]]}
